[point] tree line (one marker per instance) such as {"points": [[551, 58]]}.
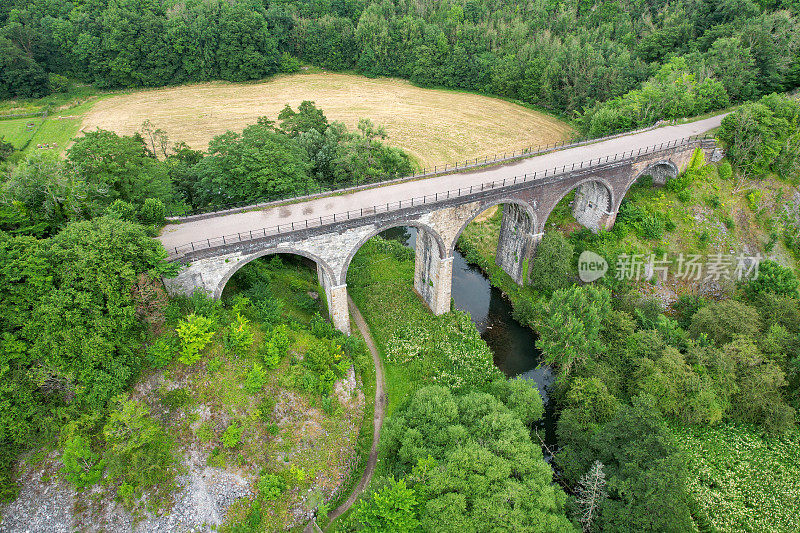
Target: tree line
{"points": [[143, 177], [614, 64]]}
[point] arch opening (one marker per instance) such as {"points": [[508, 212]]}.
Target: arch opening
{"points": [[661, 172], [432, 267], [506, 229], [264, 278], [589, 204]]}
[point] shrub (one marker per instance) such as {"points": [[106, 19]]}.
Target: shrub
{"points": [[392, 508], [271, 486], [754, 199], [175, 398], [58, 83], [152, 212], [773, 278], [82, 467], [239, 336], [724, 170], [275, 348], [297, 475], [203, 304], [161, 352], [551, 268], [122, 210], [324, 359], [723, 320], [138, 451], [256, 379], [195, 332], [232, 435]]}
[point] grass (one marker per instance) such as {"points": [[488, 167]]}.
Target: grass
{"points": [[417, 347], [434, 126], [17, 132], [64, 116]]}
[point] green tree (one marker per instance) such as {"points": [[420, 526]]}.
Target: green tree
{"points": [[118, 168], [570, 334], [392, 508], [259, 164], [82, 467], [551, 268], [646, 473], [48, 191], [474, 463], [725, 319], [134, 438], [773, 277], [307, 118], [88, 333]]}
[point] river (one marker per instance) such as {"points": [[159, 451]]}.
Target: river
{"points": [[511, 343]]}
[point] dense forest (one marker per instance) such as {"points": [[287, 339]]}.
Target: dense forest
{"points": [[614, 64]]}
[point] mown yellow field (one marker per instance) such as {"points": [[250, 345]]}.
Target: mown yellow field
{"points": [[435, 126]]}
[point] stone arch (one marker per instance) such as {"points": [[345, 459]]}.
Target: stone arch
{"points": [[525, 206], [322, 265], [661, 171], [593, 205], [380, 229]]}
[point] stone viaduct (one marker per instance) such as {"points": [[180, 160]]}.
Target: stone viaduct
{"points": [[528, 201]]}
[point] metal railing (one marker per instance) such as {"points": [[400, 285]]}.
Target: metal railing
{"points": [[426, 172], [316, 222]]}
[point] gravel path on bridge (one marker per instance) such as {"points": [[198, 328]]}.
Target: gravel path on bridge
{"points": [[176, 235]]}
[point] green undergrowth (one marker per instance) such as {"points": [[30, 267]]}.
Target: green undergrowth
{"points": [[260, 385], [417, 347], [744, 481]]}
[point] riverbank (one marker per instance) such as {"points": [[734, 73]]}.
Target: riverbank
{"points": [[419, 349]]}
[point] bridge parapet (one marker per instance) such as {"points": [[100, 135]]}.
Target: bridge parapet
{"points": [[332, 240], [465, 194]]}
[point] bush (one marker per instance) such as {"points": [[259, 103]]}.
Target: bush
{"points": [[271, 486], [58, 83], [724, 170], [232, 436], [239, 336], [392, 508], [122, 210], [161, 352], [773, 278], [256, 379], [152, 212], [82, 466], [326, 362], [195, 333], [275, 348], [551, 268], [724, 320], [138, 451]]}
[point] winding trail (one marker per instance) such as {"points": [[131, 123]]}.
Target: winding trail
{"points": [[380, 409]]}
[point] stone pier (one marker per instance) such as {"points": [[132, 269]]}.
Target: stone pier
{"points": [[336, 297], [592, 206], [433, 275], [517, 242]]}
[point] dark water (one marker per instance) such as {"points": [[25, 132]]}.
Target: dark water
{"points": [[511, 343]]}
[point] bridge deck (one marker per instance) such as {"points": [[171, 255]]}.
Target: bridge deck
{"points": [[181, 234]]}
